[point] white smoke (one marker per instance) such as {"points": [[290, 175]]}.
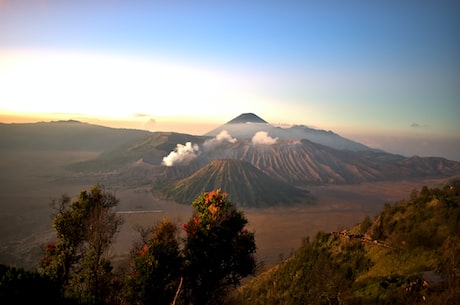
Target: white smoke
{"points": [[181, 154], [262, 137], [225, 136], [222, 137]]}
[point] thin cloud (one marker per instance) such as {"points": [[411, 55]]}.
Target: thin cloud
{"points": [[417, 125]]}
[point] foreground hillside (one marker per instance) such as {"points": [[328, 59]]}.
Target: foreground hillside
{"points": [[409, 254]]}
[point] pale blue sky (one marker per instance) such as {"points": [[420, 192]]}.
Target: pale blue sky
{"points": [[372, 70]]}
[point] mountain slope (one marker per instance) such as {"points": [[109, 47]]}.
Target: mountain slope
{"points": [[327, 138], [246, 125], [64, 135], [303, 162], [409, 254], [151, 148], [247, 118], [245, 184], [295, 161]]}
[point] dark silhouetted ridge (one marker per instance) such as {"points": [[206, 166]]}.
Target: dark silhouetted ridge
{"points": [[247, 118]]}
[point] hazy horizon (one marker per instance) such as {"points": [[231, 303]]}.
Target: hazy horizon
{"points": [[382, 74], [423, 145]]}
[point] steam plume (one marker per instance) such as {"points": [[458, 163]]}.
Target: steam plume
{"points": [[262, 137], [181, 154], [222, 137]]}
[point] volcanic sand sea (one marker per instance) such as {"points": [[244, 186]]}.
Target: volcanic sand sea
{"points": [[30, 181], [280, 230]]}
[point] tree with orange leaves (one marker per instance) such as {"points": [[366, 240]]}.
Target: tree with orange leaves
{"points": [[215, 254], [157, 264], [218, 250]]}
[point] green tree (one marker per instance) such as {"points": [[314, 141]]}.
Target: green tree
{"points": [[157, 265], [365, 225], [78, 260], [218, 250]]}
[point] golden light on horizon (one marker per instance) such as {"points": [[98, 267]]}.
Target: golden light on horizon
{"points": [[112, 86]]}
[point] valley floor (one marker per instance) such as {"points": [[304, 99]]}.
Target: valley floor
{"points": [[27, 191]]}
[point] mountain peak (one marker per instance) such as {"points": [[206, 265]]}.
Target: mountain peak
{"points": [[246, 125], [247, 118]]}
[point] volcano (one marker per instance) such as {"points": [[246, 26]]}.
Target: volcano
{"points": [[255, 173], [245, 184], [245, 118], [246, 125]]}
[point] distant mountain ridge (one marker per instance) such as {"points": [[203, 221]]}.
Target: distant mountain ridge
{"points": [[286, 160], [301, 162], [64, 135], [246, 125]]}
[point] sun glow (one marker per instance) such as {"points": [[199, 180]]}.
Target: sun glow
{"points": [[111, 86]]}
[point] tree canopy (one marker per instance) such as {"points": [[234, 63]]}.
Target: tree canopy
{"points": [[215, 254], [78, 260], [218, 251]]}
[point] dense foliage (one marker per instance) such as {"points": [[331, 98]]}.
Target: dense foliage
{"points": [[78, 261], [157, 266], [320, 272], [218, 250], [409, 254], [423, 221], [215, 254]]}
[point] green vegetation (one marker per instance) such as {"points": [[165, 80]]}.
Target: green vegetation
{"points": [[78, 261], [213, 255], [409, 254], [218, 250], [156, 269], [216, 253], [320, 272]]}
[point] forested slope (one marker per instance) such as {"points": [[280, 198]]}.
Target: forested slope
{"points": [[409, 254]]}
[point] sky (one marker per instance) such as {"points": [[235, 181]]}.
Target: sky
{"points": [[384, 73]]}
